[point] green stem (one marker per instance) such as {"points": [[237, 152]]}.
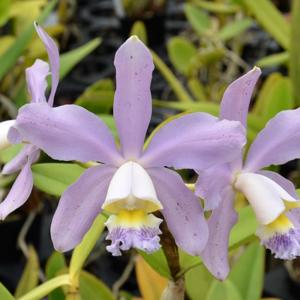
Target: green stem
{"points": [[175, 84], [47, 287]]}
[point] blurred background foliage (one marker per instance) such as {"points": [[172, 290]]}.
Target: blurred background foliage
{"points": [[198, 48]]}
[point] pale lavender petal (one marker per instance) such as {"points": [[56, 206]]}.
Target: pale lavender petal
{"points": [[68, 132], [79, 206], [181, 210], [133, 102], [211, 184], [195, 141], [283, 182], [36, 80], [19, 192], [53, 55], [236, 99], [29, 152], [215, 254], [277, 143]]}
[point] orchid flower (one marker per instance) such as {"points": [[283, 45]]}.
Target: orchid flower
{"points": [[131, 183], [271, 196], [36, 81]]}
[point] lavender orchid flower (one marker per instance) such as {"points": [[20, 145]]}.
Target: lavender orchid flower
{"points": [[131, 183], [271, 196], [36, 81]]}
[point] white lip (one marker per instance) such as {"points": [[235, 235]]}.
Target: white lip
{"points": [[265, 196], [131, 188], [4, 128]]}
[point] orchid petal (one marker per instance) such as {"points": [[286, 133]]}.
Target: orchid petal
{"points": [[215, 254], [29, 152], [53, 55], [68, 132], [36, 80], [19, 192], [4, 130], [195, 141], [133, 102], [236, 99], [182, 210], [277, 143], [79, 206], [211, 184]]}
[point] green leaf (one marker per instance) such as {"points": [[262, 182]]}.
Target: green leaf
{"points": [[275, 96], [234, 28], [5, 294], [158, 262], [98, 98], [9, 153], [30, 276], [181, 53], [274, 60], [83, 250], [4, 11], [244, 229], [140, 31], [55, 264], [54, 178], [198, 19], [73, 57], [295, 51], [223, 290], [217, 7], [12, 54], [197, 281], [248, 272], [271, 20], [92, 288]]}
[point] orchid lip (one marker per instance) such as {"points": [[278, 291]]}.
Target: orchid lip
{"points": [[131, 188], [4, 129]]}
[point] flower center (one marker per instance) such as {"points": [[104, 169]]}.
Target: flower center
{"points": [[131, 197]]}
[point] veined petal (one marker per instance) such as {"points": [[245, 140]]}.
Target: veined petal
{"points": [[215, 254], [19, 192], [131, 188], [265, 196], [36, 80], [211, 184], [53, 55], [277, 143], [79, 206], [195, 141], [29, 153], [68, 132], [4, 129], [133, 102], [182, 210], [236, 99]]}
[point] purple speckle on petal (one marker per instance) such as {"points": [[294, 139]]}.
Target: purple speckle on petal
{"points": [[144, 238], [284, 245]]}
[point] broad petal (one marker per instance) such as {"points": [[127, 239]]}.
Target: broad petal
{"points": [[36, 80], [211, 183], [29, 152], [236, 99], [79, 206], [196, 141], [68, 132], [215, 254], [19, 192], [182, 210], [133, 102], [277, 143], [283, 182], [53, 55]]}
